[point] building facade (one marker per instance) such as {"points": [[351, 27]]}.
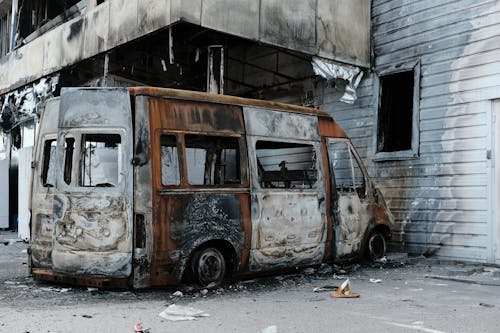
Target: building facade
{"points": [[426, 122]]}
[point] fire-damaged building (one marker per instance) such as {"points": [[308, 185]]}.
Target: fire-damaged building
{"points": [[415, 84]]}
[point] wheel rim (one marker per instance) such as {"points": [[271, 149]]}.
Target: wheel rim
{"points": [[376, 246], [210, 266]]}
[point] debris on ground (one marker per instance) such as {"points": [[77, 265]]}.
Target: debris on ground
{"points": [[139, 329], [344, 291], [486, 305], [86, 316], [325, 288], [178, 313], [270, 329], [89, 289], [56, 290], [375, 280], [382, 260], [178, 293], [309, 271]]}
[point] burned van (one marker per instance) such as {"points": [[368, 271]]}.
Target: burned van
{"points": [[147, 187]]}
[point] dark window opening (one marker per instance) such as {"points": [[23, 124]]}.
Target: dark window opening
{"points": [[35, 13], [99, 2], [170, 174], [69, 147], [100, 161], [48, 163], [395, 117], [212, 160], [286, 165]]}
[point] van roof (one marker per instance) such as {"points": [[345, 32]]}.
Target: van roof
{"points": [[225, 99]]}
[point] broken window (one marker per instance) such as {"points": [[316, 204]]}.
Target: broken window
{"points": [[286, 165], [212, 160], [346, 169], [69, 147], [169, 161], [397, 122], [100, 160], [49, 163], [35, 13]]}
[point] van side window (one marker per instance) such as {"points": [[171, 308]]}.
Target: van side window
{"points": [[286, 165], [169, 161], [348, 174], [48, 163], [100, 160], [69, 147], [212, 160]]}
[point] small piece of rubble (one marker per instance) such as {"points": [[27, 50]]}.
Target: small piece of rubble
{"points": [[270, 329], [178, 313]]}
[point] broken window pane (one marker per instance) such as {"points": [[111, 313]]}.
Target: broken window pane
{"points": [[49, 163], [346, 169], [212, 160], [395, 118], [286, 165], [100, 160], [169, 161]]}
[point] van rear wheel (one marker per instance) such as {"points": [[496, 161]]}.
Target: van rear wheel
{"points": [[208, 266], [376, 247]]}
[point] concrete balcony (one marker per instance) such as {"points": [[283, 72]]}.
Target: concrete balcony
{"points": [[337, 30]]}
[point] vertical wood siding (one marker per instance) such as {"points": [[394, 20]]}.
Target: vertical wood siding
{"points": [[440, 200]]}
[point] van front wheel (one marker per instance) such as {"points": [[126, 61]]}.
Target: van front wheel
{"points": [[376, 246], [208, 266]]}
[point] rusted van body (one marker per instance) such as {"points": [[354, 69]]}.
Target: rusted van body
{"points": [[145, 187]]}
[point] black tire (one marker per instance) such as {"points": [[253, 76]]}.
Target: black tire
{"points": [[376, 247], [208, 265]]}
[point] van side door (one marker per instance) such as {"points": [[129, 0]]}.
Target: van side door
{"points": [[351, 197], [288, 195], [43, 184]]}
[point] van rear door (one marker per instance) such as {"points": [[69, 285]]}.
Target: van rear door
{"points": [[93, 195]]}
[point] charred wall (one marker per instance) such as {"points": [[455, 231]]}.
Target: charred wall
{"points": [[440, 198]]}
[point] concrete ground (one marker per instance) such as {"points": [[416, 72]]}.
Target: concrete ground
{"points": [[420, 296]]}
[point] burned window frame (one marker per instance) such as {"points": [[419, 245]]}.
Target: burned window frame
{"points": [[312, 182], [413, 151], [71, 176], [241, 174], [46, 159], [355, 160], [183, 160], [177, 155]]}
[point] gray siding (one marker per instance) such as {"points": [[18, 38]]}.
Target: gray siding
{"points": [[440, 200]]}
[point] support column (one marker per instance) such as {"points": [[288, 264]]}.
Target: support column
{"points": [[215, 69]]}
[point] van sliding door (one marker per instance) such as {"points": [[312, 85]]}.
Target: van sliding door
{"points": [[288, 193]]}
